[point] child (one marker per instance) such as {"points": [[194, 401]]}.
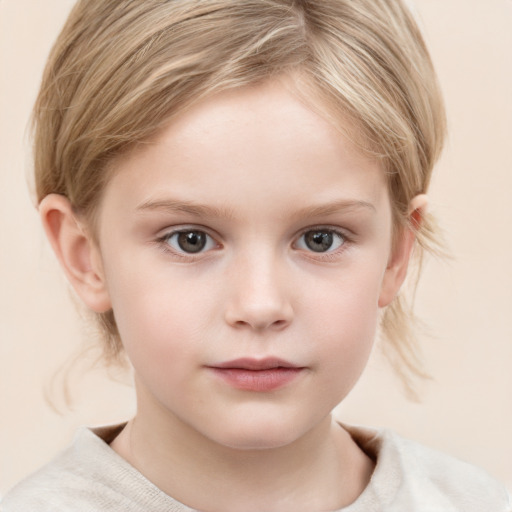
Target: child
{"points": [[235, 189]]}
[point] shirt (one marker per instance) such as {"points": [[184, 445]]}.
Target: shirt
{"points": [[408, 477]]}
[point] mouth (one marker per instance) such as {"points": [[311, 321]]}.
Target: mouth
{"points": [[257, 375]]}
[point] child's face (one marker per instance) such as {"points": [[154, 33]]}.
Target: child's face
{"points": [[250, 231]]}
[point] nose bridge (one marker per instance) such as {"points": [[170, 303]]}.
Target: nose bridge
{"points": [[259, 291]]}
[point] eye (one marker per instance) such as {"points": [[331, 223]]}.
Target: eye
{"points": [[190, 241], [321, 240]]}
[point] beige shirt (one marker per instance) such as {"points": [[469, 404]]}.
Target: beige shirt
{"points": [[90, 477]]}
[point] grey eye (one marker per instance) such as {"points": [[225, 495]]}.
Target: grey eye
{"points": [[191, 241], [320, 240]]}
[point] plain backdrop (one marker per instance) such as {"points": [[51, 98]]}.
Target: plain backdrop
{"points": [[466, 409]]}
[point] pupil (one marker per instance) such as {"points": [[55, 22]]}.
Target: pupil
{"points": [[319, 241], [191, 241]]}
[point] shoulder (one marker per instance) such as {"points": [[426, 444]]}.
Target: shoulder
{"points": [[465, 486], [87, 477], [63, 484], [411, 476]]}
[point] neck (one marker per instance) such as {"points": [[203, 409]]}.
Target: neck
{"points": [[322, 470]]}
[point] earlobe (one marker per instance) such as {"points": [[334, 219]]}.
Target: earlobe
{"points": [[396, 270], [77, 253]]}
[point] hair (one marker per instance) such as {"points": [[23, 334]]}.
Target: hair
{"points": [[120, 71]]}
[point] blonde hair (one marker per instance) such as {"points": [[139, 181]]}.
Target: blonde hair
{"points": [[119, 71]]}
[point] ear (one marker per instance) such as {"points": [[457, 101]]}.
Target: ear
{"points": [[396, 271], [76, 251]]}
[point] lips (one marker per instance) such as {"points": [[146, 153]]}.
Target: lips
{"points": [[257, 375]]}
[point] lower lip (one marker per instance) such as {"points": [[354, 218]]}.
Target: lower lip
{"points": [[258, 380]]}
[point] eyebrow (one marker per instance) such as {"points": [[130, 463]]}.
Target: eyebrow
{"points": [[335, 207], [200, 210], [175, 206]]}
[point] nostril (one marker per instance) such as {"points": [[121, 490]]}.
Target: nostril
{"points": [[261, 324], [260, 307]]}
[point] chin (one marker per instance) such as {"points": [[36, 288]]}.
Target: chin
{"points": [[259, 436]]}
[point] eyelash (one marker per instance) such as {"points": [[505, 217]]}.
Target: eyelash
{"points": [[328, 255], [163, 242]]}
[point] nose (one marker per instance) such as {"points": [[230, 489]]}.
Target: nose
{"points": [[259, 299]]}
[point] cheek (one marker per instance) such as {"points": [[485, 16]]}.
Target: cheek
{"points": [[162, 320], [345, 319], [350, 324]]}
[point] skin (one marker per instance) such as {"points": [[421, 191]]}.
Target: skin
{"points": [[254, 169]]}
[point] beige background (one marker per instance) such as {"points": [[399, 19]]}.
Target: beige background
{"points": [[467, 303]]}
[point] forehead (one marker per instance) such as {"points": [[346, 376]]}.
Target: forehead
{"points": [[261, 140]]}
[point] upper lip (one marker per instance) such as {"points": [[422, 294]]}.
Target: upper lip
{"points": [[249, 363]]}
